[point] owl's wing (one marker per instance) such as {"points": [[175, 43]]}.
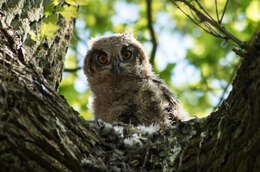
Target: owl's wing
{"points": [[167, 93], [173, 107]]}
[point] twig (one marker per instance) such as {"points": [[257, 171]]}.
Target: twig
{"points": [[203, 9], [223, 13], [193, 19], [72, 70], [227, 86], [216, 5], [151, 30], [239, 52], [213, 23], [212, 31], [209, 29]]}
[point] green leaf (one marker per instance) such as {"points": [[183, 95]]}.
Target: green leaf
{"points": [[49, 8], [77, 2], [167, 72], [33, 36], [253, 11], [71, 61], [68, 12], [49, 26]]}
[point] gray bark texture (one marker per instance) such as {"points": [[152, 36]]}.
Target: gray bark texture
{"points": [[40, 132]]}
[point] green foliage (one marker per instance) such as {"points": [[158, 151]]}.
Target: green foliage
{"points": [[68, 9], [97, 16], [49, 26], [68, 12], [167, 72], [210, 56]]}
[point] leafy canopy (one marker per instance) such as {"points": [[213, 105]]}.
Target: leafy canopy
{"points": [[198, 67]]}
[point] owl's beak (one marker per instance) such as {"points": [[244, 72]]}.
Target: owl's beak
{"points": [[117, 68]]}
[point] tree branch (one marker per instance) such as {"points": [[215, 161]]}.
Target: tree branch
{"points": [[227, 86], [151, 30], [212, 22], [72, 70], [223, 13], [216, 6], [195, 21], [203, 9]]}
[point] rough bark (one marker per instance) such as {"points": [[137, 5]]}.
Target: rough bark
{"points": [[48, 54], [39, 131]]}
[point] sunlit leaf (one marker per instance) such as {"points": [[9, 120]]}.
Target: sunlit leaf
{"points": [[86, 115], [253, 10], [49, 26], [48, 9], [68, 12], [167, 72], [77, 2], [33, 36], [71, 62], [90, 20], [119, 28]]}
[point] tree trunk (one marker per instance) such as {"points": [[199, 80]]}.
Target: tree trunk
{"points": [[39, 131]]}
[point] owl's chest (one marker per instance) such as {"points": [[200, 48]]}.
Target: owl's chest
{"points": [[127, 97], [138, 106]]}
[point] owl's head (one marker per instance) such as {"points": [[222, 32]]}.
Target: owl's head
{"points": [[118, 57]]}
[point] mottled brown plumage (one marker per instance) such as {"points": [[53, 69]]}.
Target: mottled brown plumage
{"points": [[124, 87]]}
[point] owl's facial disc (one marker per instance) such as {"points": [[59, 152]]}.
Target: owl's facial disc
{"points": [[122, 61], [126, 53], [117, 69], [101, 57]]}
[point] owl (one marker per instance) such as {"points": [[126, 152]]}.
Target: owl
{"points": [[124, 87]]}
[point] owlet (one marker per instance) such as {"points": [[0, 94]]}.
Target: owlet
{"points": [[124, 87]]}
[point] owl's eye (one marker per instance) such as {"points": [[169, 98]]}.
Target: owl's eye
{"points": [[127, 54], [102, 59]]}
